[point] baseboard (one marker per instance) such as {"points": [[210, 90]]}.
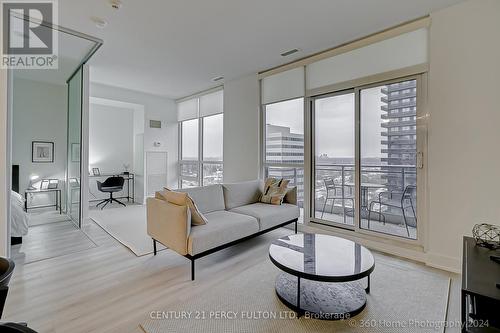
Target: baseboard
{"points": [[414, 253], [447, 263]]}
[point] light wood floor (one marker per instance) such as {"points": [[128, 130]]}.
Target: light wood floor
{"points": [[50, 240], [108, 289]]}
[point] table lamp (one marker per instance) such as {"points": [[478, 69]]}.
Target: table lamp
{"points": [[32, 180]]}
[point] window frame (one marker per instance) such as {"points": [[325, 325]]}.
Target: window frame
{"points": [[264, 163], [199, 162], [421, 146]]}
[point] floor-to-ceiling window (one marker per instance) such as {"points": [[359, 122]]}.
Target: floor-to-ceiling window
{"points": [[284, 142], [360, 156], [201, 140]]}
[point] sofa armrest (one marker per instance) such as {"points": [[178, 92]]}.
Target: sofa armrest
{"points": [[291, 196], [169, 224]]}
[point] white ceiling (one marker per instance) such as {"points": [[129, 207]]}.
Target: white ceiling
{"points": [[175, 47]]}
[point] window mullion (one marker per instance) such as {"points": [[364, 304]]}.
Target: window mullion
{"points": [[200, 149]]}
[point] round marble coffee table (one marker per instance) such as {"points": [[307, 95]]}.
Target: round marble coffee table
{"points": [[321, 275]]}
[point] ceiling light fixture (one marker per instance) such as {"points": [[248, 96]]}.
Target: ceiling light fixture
{"points": [[116, 4], [289, 52], [218, 78]]}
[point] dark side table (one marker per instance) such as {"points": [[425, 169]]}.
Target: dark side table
{"points": [[480, 292], [57, 193]]}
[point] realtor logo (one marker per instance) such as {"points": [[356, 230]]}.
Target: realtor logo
{"points": [[28, 37]]}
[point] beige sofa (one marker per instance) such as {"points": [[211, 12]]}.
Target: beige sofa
{"points": [[233, 213]]}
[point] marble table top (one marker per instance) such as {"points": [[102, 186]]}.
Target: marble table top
{"points": [[321, 257]]}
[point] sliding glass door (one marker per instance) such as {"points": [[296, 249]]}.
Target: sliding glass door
{"points": [[334, 148], [366, 158], [388, 158]]}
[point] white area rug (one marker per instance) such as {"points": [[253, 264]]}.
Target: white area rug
{"points": [[128, 226], [402, 299]]}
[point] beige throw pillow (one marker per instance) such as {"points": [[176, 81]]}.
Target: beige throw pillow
{"points": [[274, 191], [183, 199]]}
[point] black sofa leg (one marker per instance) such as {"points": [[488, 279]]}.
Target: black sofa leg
{"points": [[295, 226], [154, 246], [192, 269]]}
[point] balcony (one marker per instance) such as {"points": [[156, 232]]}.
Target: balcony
{"points": [[398, 105], [387, 99], [399, 86], [377, 184], [398, 123], [400, 114]]}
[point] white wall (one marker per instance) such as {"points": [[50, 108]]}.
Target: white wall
{"points": [[241, 129], [111, 136], [39, 114], [156, 108], [464, 133]]}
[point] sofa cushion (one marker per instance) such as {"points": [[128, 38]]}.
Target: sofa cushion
{"points": [[269, 215], [242, 193], [207, 199], [182, 199], [222, 227], [274, 191]]}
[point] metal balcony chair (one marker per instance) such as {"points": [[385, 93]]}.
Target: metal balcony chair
{"points": [[110, 185], [332, 193], [403, 201]]}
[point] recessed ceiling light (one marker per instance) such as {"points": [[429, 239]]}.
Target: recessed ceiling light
{"points": [[289, 52], [99, 22], [218, 78]]}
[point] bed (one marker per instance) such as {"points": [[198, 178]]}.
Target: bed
{"points": [[19, 218]]}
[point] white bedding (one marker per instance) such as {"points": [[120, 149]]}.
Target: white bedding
{"points": [[19, 218]]}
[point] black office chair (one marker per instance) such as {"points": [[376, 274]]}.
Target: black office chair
{"points": [[110, 185], [6, 270], [15, 328]]}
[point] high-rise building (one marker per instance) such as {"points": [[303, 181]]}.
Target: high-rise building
{"points": [[400, 142], [285, 147]]}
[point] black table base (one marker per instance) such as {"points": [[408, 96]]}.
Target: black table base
{"points": [[321, 300]]}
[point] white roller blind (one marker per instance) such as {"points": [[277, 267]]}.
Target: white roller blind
{"points": [[402, 51], [212, 103], [282, 86], [187, 109]]}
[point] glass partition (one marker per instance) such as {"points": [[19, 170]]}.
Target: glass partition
{"points": [[74, 146]]}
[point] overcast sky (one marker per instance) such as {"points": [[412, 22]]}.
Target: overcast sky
{"points": [[335, 122], [334, 126]]}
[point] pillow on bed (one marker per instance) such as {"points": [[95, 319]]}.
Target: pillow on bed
{"points": [[16, 198]]}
